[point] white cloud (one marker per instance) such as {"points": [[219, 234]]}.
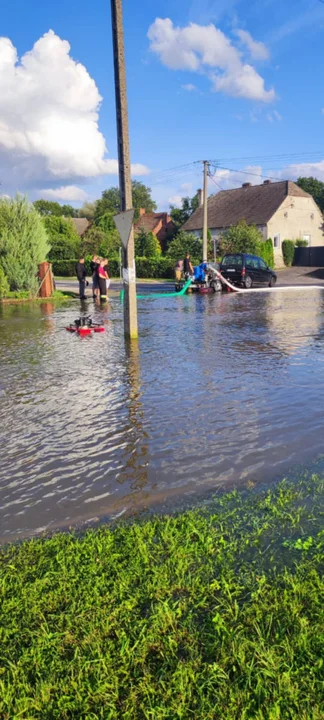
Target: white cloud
{"points": [[228, 179], [175, 200], [304, 170], [199, 48], [67, 193], [274, 117], [258, 50], [189, 87], [49, 109]]}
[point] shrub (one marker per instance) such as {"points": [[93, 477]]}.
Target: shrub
{"points": [[288, 251], [4, 285], [161, 267], [64, 239], [147, 244], [23, 243], [265, 251], [242, 238], [301, 243], [185, 242]]}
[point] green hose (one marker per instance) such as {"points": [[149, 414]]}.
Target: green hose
{"points": [[160, 295]]}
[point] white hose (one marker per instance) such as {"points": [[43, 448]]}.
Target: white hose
{"points": [[268, 289]]}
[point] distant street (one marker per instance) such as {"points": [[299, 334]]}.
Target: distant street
{"points": [[286, 277]]}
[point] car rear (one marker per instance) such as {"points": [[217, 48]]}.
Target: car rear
{"points": [[233, 268]]}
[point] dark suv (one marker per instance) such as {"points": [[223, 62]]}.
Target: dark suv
{"points": [[247, 270]]}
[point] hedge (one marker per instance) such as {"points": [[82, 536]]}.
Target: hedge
{"points": [[288, 252], [160, 267], [266, 252]]}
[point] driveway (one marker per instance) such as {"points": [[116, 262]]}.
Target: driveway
{"points": [[300, 276]]}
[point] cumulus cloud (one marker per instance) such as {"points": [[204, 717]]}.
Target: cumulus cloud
{"points": [[67, 193], [297, 170], [257, 50], [199, 48], [49, 109]]}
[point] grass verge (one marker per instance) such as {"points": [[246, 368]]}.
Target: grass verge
{"points": [[24, 296], [216, 613]]}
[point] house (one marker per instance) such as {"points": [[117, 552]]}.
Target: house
{"points": [[280, 210], [81, 225], [160, 224]]}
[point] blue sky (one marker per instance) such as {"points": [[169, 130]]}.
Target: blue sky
{"points": [[241, 93]]}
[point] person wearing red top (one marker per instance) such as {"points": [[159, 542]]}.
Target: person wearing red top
{"points": [[102, 277]]}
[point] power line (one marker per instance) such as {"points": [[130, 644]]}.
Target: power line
{"points": [[214, 181]]}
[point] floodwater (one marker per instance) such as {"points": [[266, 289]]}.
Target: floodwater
{"points": [[220, 390]]}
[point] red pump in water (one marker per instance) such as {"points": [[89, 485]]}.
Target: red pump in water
{"points": [[84, 326]]}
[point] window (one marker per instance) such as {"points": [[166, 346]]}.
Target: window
{"points": [[235, 260], [262, 265], [276, 241], [307, 238]]}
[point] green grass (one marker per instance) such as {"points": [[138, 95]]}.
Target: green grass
{"points": [[25, 296], [214, 614]]}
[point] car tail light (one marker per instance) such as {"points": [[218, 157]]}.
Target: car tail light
{"points": [[243, 272]]}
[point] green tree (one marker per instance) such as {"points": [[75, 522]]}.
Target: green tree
{"points": [[241, 238], [64, 239], [4, 284], [50, 207], [183, 243], [315, 188], [69, 211], [112, 242], [88, 210], [23, 242], [181, 215], [146, 244], [93, 240], [110, 200]]}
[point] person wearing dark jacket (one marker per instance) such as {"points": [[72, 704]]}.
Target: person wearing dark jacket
{"points": [[81, 274]]}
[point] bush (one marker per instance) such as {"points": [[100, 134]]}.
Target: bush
{"points": [[147, 244], [162, 267], [301, 243], [23, 243], [4, 285], [288, 251], [64, 239], [266, 252], [185, 242], [242, 238]]}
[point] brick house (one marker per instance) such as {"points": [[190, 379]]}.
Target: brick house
{"points": [[160, 224], [280, 210]]}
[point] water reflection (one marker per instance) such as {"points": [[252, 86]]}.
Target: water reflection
{"points": [[214, 393]]}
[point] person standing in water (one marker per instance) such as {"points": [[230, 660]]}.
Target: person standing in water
{"points": [[95, 281], [81, 274], [102, 278], [187, 267], [106, 267]]}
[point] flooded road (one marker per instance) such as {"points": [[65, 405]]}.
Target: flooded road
{"points": [[220, 390]]}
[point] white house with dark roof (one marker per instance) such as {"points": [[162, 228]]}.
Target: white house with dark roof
{"points": [[281, 211]]}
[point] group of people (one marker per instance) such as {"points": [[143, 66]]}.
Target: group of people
{"points": [[184, 266], [99, 274]]}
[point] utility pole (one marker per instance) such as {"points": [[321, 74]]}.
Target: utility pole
{"points": [[205, 210], [125, 180]]}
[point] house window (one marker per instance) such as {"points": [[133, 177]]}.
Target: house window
{"points": [[276, 241], [307, 238]]}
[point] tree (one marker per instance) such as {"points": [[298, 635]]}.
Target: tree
{"points": [[112, 240], [147, 244], [49, 207], [315, 188], [183, 243], [23, 243], [69, 211], [93, 240], [88, 210], [110, 200], [241, 238], [64, 239], [188, 206]]}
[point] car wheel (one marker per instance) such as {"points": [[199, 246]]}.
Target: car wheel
{"points": [[248, 282], [272, 282]]}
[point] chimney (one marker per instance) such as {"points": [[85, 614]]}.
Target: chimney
{"points": [[266, 182], [247, 185], [141, 212], [200, 197]]}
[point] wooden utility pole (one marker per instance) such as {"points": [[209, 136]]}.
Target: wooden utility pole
{"points": [[205, 210], [125, 179]]}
